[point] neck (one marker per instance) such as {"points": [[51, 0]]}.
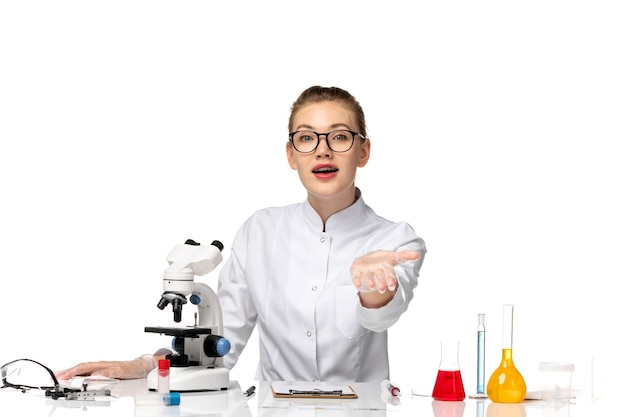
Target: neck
{"points": [[326, 207]]}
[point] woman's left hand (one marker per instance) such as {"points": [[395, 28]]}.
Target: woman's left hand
{"points": [[374, 271]]}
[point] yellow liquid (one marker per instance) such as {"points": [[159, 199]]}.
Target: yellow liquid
{"points": [[506, 384]]}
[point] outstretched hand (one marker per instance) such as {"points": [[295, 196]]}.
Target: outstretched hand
{"points": [[374, 271], [137, 368]]}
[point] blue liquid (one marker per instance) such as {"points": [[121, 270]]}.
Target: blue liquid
{"points": [[480, 370]]}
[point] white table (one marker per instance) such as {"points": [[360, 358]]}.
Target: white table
{"points": [[231, 403]]}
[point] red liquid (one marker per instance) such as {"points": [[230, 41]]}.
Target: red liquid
{"points": [[449, 386]]}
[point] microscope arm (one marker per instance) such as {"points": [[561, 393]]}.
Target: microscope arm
{"points": [[209, 308]]}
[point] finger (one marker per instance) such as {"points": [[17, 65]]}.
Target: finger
{"points": [[386, 280], [62, 374], [356, 278], [382, 287], [406, 255], [370, 282], [70, 372], [391, 282]]}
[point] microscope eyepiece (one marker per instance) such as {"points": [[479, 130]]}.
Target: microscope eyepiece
{"points": [[215, 243]]}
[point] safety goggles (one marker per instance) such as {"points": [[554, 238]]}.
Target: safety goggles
{"points": [[27, 374]]}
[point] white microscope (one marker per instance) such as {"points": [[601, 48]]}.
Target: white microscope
{"points": [[197, 361]]}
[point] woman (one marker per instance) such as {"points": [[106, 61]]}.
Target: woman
{"points": [[323, 279]]}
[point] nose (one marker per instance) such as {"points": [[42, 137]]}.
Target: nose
{"points": [[323, 150]]}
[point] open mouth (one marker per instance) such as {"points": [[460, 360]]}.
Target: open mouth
{"points": [[325, 170]]}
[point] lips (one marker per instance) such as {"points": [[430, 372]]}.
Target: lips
{"points": [[324, 169]]}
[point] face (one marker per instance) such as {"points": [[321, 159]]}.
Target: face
{"points": [[328, 176]]}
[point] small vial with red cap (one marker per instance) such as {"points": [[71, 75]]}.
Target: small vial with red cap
{"points": [[153, 399], [163, 381], [389, 387]]}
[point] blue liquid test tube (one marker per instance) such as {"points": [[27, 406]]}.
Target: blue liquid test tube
{"points": [[480, 367]]}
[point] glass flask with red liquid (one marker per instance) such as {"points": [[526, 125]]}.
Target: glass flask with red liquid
{"points": [[449, 384]]}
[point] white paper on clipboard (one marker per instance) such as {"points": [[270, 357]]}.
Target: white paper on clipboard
{"points": [[286, 390]]}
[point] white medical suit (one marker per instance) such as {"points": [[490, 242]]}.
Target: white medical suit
{"points": [[292, 279]]}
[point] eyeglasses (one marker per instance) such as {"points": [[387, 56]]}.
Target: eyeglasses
{"points": [[27, 374], [307, 141]]}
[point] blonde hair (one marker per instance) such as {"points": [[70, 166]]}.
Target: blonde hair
{"points": [[317, 94]]}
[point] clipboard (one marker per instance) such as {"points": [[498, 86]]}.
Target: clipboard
{"points": [[282, 390]]}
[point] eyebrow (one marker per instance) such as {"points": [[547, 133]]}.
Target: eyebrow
{"points": [[332, 127]]}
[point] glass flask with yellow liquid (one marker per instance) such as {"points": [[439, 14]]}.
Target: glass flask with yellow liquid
{"points": [[506, 384]]}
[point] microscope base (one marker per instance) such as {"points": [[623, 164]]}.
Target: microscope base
{"points": [[193, 379]]}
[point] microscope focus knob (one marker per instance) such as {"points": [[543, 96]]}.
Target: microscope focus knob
{"points": [[216, 346]]}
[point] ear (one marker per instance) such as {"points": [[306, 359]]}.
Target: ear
{"points": [[365, 153], [290, 159]]}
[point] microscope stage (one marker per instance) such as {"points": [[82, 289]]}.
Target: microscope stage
{"points": [[179, 331]]}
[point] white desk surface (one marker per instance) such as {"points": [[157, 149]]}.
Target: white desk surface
{"points": [[262, 404]]}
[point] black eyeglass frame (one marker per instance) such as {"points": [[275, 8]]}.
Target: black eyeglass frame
{"points": [[317, 135]]}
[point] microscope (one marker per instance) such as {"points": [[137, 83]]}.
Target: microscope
{"points": [[197, 361]]}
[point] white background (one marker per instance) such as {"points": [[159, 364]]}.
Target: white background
{"points": [[497, 131]]}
